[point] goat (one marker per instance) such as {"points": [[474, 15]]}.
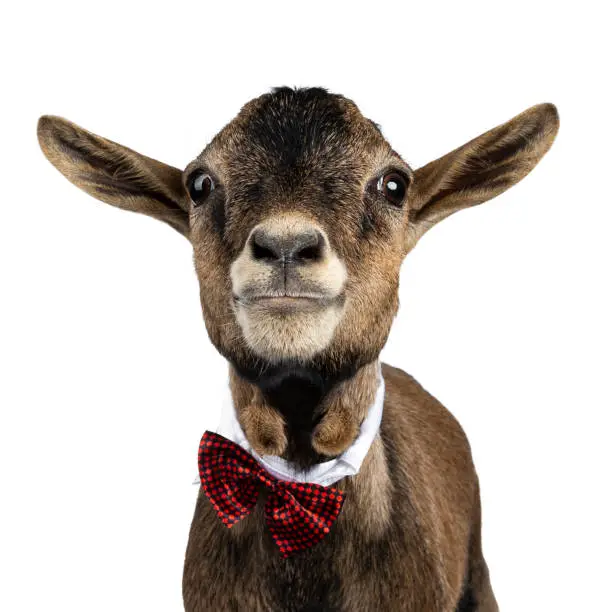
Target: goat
{"points": [[300, 214]]}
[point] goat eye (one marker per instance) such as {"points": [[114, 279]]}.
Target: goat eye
{"points": [[200, 186], [393, 186]]}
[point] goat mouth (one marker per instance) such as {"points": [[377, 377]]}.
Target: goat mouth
{"points": [[280, 325], [286, 302]]}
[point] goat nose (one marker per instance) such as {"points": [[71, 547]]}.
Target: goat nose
{"points": [[299, 247]]}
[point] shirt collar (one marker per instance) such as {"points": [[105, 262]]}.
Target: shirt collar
{"points": [[326, 473]]}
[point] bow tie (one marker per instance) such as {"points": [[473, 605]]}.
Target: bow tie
{"points": [[298, 514]]}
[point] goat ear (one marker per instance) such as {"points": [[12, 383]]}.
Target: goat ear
{"points": [[115, 174], [484, 167]]}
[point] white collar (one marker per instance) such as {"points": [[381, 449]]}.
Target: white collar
{"points": [[346, 464]]}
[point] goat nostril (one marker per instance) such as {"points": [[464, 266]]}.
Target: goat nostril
{"points": [[265, 246], [309, 253], [261, 251], [310, 249]]}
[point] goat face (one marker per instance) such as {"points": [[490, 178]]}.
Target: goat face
{"points": [[299, 225]]}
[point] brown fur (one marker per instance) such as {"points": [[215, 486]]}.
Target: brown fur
{"points": [[346, 408], [302, 378], [263, 426]]}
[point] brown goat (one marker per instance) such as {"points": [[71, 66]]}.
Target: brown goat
{"points": [[300, 214]]}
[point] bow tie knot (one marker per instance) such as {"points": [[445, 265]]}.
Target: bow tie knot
{"points": [[298, 514]]}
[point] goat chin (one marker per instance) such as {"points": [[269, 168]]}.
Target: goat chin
{"points": [[288, 330]]}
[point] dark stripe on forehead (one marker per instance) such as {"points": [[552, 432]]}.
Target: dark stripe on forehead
{"points": [[291, 125]]}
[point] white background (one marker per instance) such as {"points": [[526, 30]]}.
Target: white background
{"points": [[108, 377]]}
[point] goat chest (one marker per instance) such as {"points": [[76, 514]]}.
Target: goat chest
{"points": [[240, 569]]}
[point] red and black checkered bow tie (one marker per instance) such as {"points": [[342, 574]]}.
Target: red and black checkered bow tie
{"points": [[298, 514]]}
